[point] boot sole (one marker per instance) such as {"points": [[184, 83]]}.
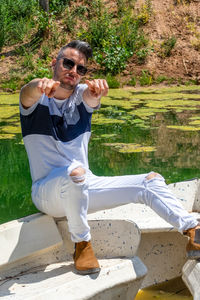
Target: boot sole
{"points": [[193, 254], [89, 271]]}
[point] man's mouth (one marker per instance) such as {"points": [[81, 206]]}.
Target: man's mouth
{"points": [[70, 77]]}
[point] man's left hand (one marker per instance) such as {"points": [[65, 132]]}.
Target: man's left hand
{"points": [[97, 88]]}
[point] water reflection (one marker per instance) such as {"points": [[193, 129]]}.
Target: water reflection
{"points": [[135, 131]]}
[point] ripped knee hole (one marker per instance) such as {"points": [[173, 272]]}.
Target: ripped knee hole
{"points": [[152, 175], [78, 175]]}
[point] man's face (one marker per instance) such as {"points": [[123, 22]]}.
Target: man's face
{"points": [[69, 78]]}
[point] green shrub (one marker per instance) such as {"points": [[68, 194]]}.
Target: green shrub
{"points": [[160, 79], [133, 81], [167, 46], [142, 55], [45, 51], [113, 83], [28, 61], [114, 57], [145, 78], [16, 19], [12, 84], [113, 40], [192, 82]]}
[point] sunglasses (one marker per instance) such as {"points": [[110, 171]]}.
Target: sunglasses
{"points": [[69, 64]]}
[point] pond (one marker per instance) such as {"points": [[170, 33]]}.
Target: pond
{"points": [[135, 131]]}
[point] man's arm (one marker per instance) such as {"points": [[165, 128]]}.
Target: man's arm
{"points": [[31, 92], [96, 89]]}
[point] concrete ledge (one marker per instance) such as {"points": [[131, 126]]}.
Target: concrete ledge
{"points": [[191, 277], [110, 238], [35, 274], [27, 236], [118, 279], [188, 193]]}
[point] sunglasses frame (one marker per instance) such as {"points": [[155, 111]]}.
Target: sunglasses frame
{"points": [[69, 64]]}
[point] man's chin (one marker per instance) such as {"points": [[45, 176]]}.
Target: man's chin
{"points": [[67, 86]]}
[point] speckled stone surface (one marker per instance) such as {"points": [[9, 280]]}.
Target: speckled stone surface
{"points": [[188, 193], [191, 277], [38, 273], [118, 279], [24, 237], [110, 238]]}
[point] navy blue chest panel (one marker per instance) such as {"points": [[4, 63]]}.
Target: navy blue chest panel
{"points": [[41, 122]]}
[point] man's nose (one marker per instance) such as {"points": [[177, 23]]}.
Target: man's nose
{"points": [[74, 69]]}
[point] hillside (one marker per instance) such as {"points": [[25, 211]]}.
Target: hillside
{"points": [[165, 47], [183, 22]]}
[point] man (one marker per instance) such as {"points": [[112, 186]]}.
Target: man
{"points": [[56, 120]]}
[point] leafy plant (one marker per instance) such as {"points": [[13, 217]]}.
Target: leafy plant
{"points": [[144, 13], [145, 78], [142, 55], [114, 57], [16, 19], [28, 61], [45, 51], [12, 84], [57, 6], [113, 42], [167, 46], [160, 79], [133, 81], [112, 81]]}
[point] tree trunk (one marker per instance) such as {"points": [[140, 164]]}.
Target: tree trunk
{"points": [[44, 4]]}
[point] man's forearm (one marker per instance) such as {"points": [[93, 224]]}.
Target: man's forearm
{"points": [[90, 100], [30, 93]]}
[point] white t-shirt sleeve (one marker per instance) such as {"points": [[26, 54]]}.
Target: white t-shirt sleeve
{"points": [[79, 98], [28, 111]]}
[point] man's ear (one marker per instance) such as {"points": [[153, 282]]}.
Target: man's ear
{"points": [[53, 63]]}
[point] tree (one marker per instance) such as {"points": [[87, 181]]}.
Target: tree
{"points": [[44, 4]]}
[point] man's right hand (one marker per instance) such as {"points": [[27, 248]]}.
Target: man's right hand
{"points": [[32, 91], [48, 86]]}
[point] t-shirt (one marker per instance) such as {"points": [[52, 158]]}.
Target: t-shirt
{"points": [[56, 134]]}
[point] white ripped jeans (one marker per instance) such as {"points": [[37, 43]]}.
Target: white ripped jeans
{"points": [[58, 195]]}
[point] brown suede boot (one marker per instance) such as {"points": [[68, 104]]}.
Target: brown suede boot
{"points": [[84, 259], [193, 246]]}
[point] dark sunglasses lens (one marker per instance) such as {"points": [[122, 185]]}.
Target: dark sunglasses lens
{"points": [[81, 70], [68, 63]]}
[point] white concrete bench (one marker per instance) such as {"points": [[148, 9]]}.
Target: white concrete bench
{"points": [[162, 248], [36, 260], [191, 277]]}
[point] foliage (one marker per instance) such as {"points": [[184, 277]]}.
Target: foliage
{"points": [[132, 82], [160, 79], [40, 70], [144, 13], [114, 56], [145, 78], [166, 46], [142, 55], [57, 6], [112, 81], [12, 84], [113, 39], [16, 18]]}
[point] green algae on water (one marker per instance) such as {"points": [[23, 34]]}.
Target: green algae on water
{"points": [[195, 122], [184, 128], [130, 147], [6, 136]]}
